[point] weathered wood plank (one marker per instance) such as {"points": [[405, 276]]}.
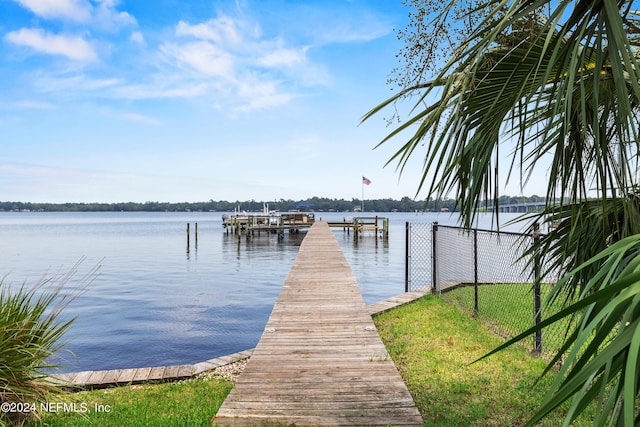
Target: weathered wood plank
{"points": [[156, 373], [97, 376], [111, 376], [320, 359], [127, 375], [142, 374]]}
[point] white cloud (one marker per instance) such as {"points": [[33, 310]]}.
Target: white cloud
{"points": [[73, 10], [162, 89], [227, 59], [137, 38], [283, 57], [245, 68], [103, 15], [342, 23], [203, 57], [73, 84], [73, 47], [260, 95], [106, 17], [220, 30], [346, 33]]}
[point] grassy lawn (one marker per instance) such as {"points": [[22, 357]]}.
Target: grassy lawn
{"points": [[431, 342], [433, 345], [508, 309], [187, 403]]}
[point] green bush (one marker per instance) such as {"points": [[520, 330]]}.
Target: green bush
{"points": [[31, 329]]}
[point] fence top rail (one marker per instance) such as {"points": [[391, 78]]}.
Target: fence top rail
{"points": [[483, 230]]}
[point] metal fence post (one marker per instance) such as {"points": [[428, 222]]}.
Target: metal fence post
{"points": [[536, 289], [434, 257], [475, 271], [407, 256]]}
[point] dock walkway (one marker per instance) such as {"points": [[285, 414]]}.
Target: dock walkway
{"points": [[320, 360], [114, 377]]}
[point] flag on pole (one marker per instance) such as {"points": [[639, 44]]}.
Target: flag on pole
{"points": [[366, 181]]}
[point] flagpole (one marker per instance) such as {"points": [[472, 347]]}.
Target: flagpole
{"points": [[362, 200], [366, 181]]}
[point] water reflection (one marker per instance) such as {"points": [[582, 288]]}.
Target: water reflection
{"points": [[157, 302]]}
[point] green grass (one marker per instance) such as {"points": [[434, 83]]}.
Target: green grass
{"points": [[508, 309], [187, 403], [434, 344], [431, 342]]}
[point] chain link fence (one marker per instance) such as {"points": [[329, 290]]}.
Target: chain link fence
{"points": [[483, 273], [419, 273]]}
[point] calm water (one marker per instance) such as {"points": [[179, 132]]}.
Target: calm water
{"points": [[153, 302]]}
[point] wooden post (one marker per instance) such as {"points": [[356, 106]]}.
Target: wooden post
{"points": [[376, 227], [356, 229], [386, 228], [188, 236], [196, 236]]}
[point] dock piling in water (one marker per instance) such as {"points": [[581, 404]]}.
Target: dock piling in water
{"points": [[360, 224]]}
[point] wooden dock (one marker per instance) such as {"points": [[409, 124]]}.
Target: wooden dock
{"points": [[360, 224], [320, 360], [114, 377], [250, 224]]}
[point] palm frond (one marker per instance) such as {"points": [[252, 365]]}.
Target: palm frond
{"points": [[560, 89]]}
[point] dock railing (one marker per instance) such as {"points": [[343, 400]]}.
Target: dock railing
{"points": [[361, 224]]}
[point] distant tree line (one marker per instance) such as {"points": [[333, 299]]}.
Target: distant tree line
{"points": [[405, 204]]}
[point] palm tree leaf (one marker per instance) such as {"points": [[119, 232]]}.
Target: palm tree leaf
{"points": [[563, 91]]}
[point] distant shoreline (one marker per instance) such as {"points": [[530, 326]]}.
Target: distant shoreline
{"points": [[316, 204]]}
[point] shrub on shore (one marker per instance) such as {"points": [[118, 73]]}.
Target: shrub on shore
{"points": [[31, 327]]}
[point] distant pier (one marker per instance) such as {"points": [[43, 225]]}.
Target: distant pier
{"points": [[251, 224], [361, 224], [294, 222]]}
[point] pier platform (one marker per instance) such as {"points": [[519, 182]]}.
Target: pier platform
{"points": [[320, 360], [360, 224], [249, 224]]}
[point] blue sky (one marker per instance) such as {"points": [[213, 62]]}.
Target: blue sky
{"points": [[167, 100]]}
